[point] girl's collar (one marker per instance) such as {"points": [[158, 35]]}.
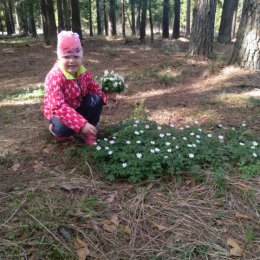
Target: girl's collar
{"points": [[69, 76]]}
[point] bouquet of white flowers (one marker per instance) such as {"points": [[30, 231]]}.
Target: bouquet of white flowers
{"points": [[112, 82]]}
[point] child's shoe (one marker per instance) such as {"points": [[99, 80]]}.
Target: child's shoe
{"points": [[90, 139], [61, 138]]}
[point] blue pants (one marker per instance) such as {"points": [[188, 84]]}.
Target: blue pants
{"points": [[90, 108]]}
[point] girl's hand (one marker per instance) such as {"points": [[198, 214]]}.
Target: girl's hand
{"points": [[89, 129]]}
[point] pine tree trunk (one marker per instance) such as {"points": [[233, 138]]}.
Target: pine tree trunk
{"points": [[8, 22], [32, 20], [151, 19], [133, 17], [99, 7], [143, 22], [10, 5], [44, 22], [176, 25], [60, 16], [225, 28], [188, 19], [75, 17], [123, 18], [235, 21], [112, 18], [90, 19], [165, 33], [66, 15], [202, 33], [138, 20], [246, 51], [105, 17]]}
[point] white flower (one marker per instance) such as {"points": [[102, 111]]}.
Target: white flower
{"points": [[169, 150], [159, 127], [157, 150], [181, 128], [139, 155], [220, 126], [209, 135], [196, 122], [167, 143], [184, 138], [124, 165], [252, 147], [114, 137], [171, 125], [233, 128], [194, 145], [138, 141], [187, 126], [243, 124], [221, 137], [161, 135], [168, 134], [98, 148], [242, 144], [135, 125], [141, 131], [152, 142], [177, 147], [198, 141], [255, 143], [189, 145], [166, 157], [115, 84], [105, 139], [152, 151], [110, 152], [147, 126], [112, 142], [192, 134], [191, 155], [136, 132], [107, 148], [254, 154], [200, 129], [198, 136], [173, 138], [128, 142]]}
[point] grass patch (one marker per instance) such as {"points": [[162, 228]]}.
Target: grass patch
{"points": [[110, 51], [26, 94]]}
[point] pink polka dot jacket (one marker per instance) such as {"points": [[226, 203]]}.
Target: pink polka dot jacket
{"points": [[64, 93]]}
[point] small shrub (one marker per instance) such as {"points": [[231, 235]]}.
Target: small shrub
{"points": [[144, 150]]}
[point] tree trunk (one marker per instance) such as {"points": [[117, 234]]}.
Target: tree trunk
{"points": [[60, 16], [165, 33], [8, 22], [75, 17], [246, 51], [143, 21], [138, 20], [50, 33], [151, 19], [133, 17], [123, 18], [202, 33], [187, 33], [66, 11], [225, 28], [99, 7], [32, 20], [176, 24], [105, 17], [235, 21], [90, 19], [11, 5], [112, 18]]}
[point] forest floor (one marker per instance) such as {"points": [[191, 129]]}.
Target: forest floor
{"points": [[54, 205]]}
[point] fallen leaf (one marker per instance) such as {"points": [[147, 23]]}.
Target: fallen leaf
{"points": [[127, 230], [160, 227], [15, 167], [109, 226], [115, 220], [235, 250], [71, 186], [241, 216], [82, 249]]}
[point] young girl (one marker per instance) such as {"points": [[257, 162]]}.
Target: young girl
{"points": [[73, 101]]}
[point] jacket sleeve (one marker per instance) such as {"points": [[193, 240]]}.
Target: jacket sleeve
{"points": [[94, 88], [59, 108]]}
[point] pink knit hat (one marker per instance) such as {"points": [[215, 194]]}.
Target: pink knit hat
{"points": [[69, 44]]}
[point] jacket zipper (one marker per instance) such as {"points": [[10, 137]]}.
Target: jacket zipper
{"points": [[81, 94]]}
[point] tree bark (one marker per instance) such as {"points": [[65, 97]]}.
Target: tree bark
{"points": [[246, 51], [235, 21], [165, 33], [133, 17], [60, 16], [66, 11], [202, 33], [32, 20], [75, 17], [225, 28], [99, 7], [187, 33], [151, 19], [112, 18], [90, 19], [176, 25], [8, 22], [138, 20], [143, 21], [123, 18], [105, 17], [11, 5]]}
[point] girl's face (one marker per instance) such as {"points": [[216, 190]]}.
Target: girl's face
{"points": [[70, 63]]}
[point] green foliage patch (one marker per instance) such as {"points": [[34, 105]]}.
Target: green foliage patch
{"points": [[25, 94], [143, 150]]}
